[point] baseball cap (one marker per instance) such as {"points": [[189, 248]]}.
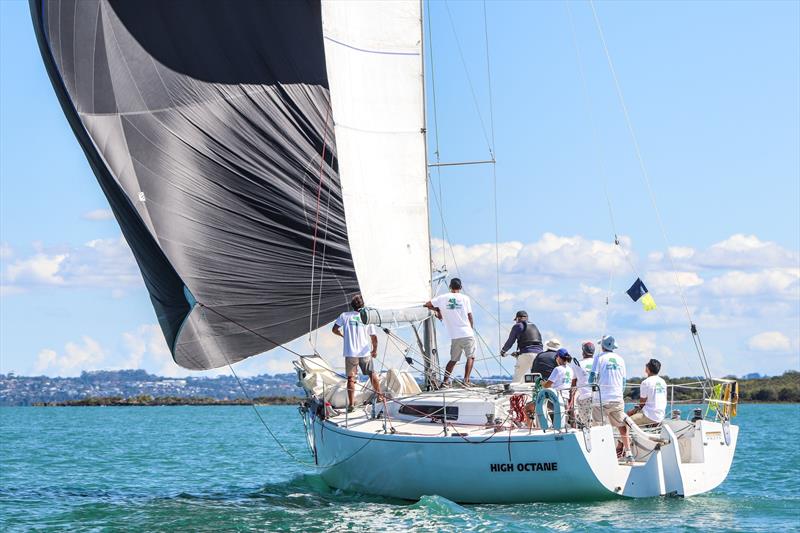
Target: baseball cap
{"points": [[587, 348], [521, 314]]}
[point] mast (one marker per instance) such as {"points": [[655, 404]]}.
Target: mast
{"points": [[430, 351]]}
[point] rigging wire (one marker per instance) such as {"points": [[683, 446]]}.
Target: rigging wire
{"points": [[494, 170], [489, 145], [648, 184], [440, 203], [316, 224]]}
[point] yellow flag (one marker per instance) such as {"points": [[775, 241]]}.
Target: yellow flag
{"points": [[648, 302]]}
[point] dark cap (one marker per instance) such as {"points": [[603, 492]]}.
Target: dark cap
{"points": [[455, 284], [521, 314], [562, 352], [587, 348]]}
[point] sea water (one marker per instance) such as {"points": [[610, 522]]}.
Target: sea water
{"points": [[216, 468]]}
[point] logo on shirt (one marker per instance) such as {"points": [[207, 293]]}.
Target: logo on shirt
{"points": [[612, 364], [660, 389], [452, 303], [355, 320]]}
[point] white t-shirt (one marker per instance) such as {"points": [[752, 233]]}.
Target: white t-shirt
{"points": [[609, 368], [655, 390], [356, 335], [561, 376], [455, 307], [581, 371]]}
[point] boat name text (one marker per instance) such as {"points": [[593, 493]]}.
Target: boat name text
{"points": [[523, 467]]}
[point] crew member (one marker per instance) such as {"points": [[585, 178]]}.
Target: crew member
{"points": [[360, 347], [608, 373], [583, 398], [560, 379], [545, 362], [529, 343], [652, 397], [455, 310]]}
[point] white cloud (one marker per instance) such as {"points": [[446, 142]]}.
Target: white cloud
{"points": [[569, 306], [781, 282], [769, 341], [76, 357], [551, 255], [97, 263], [665, 281], [6, 251], [583, 321], [737, 251], [41, 269], [98, 214]]}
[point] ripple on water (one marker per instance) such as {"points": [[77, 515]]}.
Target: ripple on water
{"points": [[208, 468]]}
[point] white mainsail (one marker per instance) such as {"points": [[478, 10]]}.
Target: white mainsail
{"points": [[374, 59]]}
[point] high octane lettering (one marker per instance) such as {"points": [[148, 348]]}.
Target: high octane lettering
{"points": [[523, 467]]}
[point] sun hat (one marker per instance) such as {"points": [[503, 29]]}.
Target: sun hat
{"points": [[608, 343], [553, 344]]}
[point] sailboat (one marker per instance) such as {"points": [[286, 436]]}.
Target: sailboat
{"points": [[266, 161]]}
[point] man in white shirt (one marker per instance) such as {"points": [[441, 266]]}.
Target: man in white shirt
{"points": [[652, 397], [583, 397], [360, 347], [455, 310], [608, 372]]}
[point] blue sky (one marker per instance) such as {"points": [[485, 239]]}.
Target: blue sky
{"points": [[712, 89]]}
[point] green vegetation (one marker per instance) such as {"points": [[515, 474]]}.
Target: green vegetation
{"points": [[147, 400], [785, 388]]}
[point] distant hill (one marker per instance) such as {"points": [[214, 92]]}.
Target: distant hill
{"points": [[126, 384], [123, 387]]}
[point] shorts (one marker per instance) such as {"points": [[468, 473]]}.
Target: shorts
{"points": [[464, 344], [641, 419], [365, 363], [614, 412], [583, 411]]}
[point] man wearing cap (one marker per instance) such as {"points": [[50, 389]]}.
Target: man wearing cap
{"points": [[529, 343], [359, 348], [455, 310], [545, 362], [652, 397], [582, 399], [608, 373]]}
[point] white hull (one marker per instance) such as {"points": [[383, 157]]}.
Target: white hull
{"points": [[512, 467]]}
